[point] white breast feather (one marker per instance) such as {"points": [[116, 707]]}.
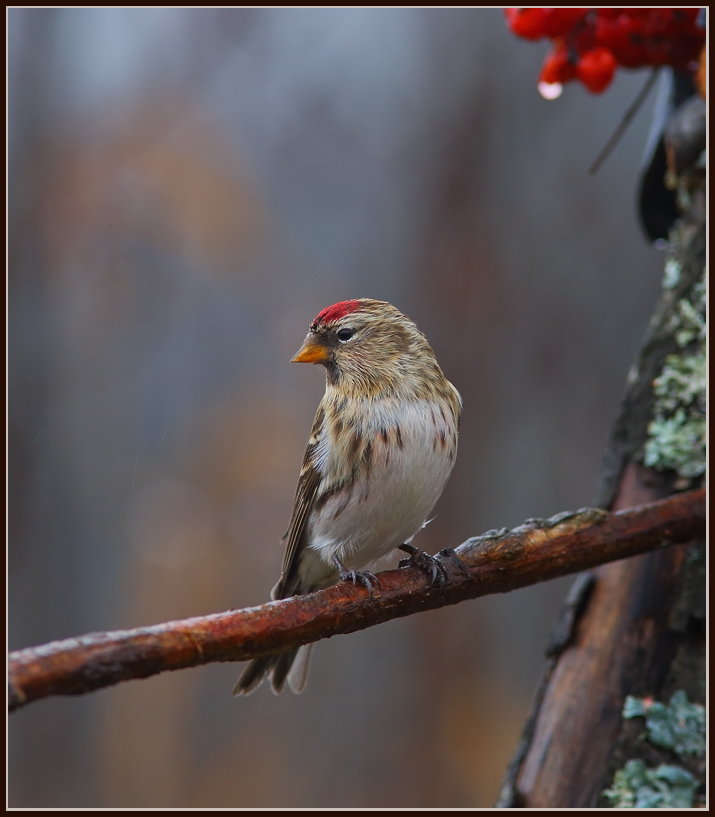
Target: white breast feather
{"points": [[362, 524]]}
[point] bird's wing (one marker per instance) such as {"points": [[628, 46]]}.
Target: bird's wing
{"points": [[305, 496]]}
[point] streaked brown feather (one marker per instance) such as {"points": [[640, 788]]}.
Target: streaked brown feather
{"points": [[305, 495]]}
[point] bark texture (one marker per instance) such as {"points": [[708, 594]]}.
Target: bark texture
{"points": [[639, 629]]}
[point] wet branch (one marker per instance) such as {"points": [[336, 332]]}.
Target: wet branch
{"points": [[496, 562]]}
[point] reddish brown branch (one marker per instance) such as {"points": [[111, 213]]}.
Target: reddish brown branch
{"points": [[497, 562]]}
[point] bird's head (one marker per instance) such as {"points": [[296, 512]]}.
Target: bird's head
{"points": [[368, 347]]}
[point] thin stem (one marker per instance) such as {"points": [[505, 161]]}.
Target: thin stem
{"points": [[629, 114]]}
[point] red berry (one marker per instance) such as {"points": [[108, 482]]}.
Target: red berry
{"points": [[590, 43], [628, 44], [557, 67], [636, 13], [596, 69], [559, 21], [526, 23], [656, 24], [612, 32], [583, 37]]}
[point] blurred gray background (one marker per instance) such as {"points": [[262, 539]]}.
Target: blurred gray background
{"points": [[187, 189]]}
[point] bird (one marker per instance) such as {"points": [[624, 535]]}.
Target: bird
{"points": [[382, 447]]}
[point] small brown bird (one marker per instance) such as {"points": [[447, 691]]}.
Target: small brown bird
{"points": [[382, 447]]}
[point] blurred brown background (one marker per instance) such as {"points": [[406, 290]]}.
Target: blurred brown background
{"points": [[187, 189]]}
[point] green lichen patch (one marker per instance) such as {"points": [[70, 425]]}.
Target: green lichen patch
{"points": [[677, 442], [689, 318], [676, 434], [678, 726], [637, 786], [682, 383], [671, 276]]}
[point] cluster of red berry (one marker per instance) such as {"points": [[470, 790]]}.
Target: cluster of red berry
{"points": [[589, 44]]}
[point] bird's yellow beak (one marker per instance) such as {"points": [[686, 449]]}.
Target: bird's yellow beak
{"points": [[312, 351]]}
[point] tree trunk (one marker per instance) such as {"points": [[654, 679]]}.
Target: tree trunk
{"points": [[641, 626]]}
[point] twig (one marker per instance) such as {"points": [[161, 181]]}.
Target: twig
{"points": [[629, 114], [496, 562]]}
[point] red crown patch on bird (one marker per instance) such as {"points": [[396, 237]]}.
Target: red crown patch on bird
{"points": [[337, 311]]}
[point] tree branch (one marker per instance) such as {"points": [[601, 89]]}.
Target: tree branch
{"points": [[496, 562]]}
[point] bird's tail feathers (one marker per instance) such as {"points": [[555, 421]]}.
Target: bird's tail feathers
{"points": [[291, 666], [298, 673], [252, 677]]}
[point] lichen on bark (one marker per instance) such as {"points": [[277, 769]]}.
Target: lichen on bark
{"points": [[661, 420], [637, 786], [676, 434], [679, 727]]}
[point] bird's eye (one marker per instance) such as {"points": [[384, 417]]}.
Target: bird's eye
{"points": [[345, 334]]}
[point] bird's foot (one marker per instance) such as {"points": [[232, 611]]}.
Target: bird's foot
{"points": [[433, 565], [363, 577]]}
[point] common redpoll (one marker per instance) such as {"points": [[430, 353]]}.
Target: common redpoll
{"points": [[383, 444]]}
